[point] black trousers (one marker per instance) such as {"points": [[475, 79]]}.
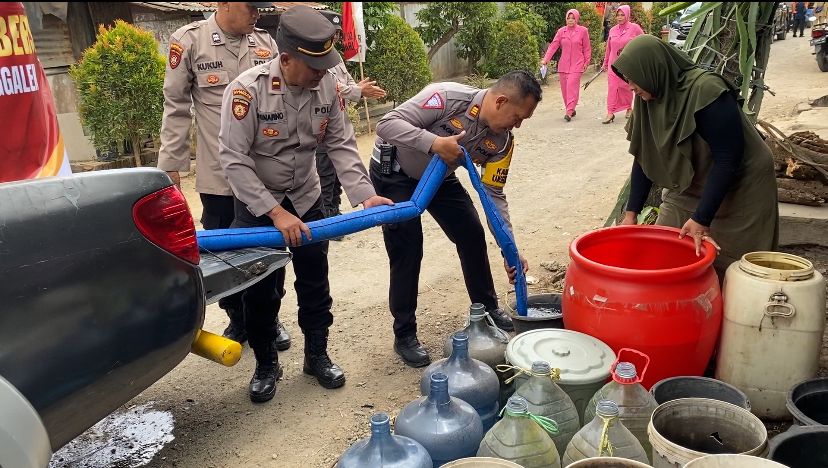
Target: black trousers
{"points": [[218, 213], [329, 182], [263, 300], [799, 24], [453, 210]]}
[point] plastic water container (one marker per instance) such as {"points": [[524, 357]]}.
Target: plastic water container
{"points": [[469, 379], [520, 439], [384, 450], [772, 331], [604, 436], [584, 362], [487, 343], [646, 276], [635, 403], [448, 427], [545, 398]]}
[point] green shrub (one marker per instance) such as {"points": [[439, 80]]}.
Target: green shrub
{"points": [[522, 12], [397, 60], [513, 48], [120, 84], [642, 17]]}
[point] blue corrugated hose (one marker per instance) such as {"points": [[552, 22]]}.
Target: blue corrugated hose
{"points": [[227, 239]]}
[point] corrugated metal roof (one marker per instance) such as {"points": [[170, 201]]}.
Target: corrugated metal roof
{"points": [[278, 7]]}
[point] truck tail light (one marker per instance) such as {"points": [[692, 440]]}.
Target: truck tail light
{"points": [[164, 218]]}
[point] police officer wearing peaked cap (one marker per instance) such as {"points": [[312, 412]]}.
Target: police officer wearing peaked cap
{"points": [[204, 56], [348, 90], [273, 117]]}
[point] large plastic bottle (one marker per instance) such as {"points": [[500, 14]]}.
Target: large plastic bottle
{"points": [[486, 342], [546, 398], [520, 439], [604, 436], [635, 403], [448, 427], [471, 380], [384, 450]]}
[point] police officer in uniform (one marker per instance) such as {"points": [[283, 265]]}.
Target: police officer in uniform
{"points": [[351, 91], [273, 117], [440, 119], [204, 57]]}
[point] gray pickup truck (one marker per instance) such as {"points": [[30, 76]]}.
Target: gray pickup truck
{"points": [[103, 290]]}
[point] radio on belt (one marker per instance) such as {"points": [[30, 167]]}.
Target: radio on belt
{"points": [[388, 154]]}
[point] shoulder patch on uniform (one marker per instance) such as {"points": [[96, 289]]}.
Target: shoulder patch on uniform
{"points": [[434, 102], [474, 111], [240, 108], [176, 50], [243, 93]]}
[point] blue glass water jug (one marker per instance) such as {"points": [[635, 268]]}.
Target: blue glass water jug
{"points": [[384, 450], [448, 427], [470, 380]]}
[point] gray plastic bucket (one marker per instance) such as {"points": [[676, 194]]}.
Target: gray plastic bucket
{"points": [[674, 388], [801, 447], [808, 402], [546, 301]]}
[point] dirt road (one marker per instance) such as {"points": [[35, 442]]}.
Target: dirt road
{"points": [[563, 182]]}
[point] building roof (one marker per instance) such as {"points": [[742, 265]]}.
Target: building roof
{"points": [[198, 7]]}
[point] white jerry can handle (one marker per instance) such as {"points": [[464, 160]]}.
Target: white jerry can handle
{"points": [[778, 306]]}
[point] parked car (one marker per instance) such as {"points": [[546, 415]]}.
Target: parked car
{"points": [[103, 293], [819, 34], [680, 28]]}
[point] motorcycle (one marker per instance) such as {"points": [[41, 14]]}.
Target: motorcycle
{"points": [[819, 33]]}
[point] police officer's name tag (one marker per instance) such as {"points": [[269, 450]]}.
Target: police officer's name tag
{"points": [[321, 110], [272, 116]]}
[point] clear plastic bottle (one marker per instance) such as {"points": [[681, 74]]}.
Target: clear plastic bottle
{"points": [[546, 398], [487, 343], [519, 438], [635, 403], [604, 436], [383, 449]]}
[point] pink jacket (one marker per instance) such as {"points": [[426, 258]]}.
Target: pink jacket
{"points": [[576, 50], [619, 36]]}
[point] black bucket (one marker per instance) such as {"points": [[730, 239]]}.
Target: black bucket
{"points": [[674, 388], [801, 447], [540, 301], [808, 402]]}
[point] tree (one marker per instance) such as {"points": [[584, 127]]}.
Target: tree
{"points": [[733, 39], [441, 21], [594, 22], [523, 12], [398, 61], [553, 14], [120, 83], [513, 48]]}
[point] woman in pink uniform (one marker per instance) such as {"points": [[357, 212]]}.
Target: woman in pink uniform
{"points": [[576, 52], [619, 96]]}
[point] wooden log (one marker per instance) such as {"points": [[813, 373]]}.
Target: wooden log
{"points": [[811, 186], [797, 170], [798, 197]]}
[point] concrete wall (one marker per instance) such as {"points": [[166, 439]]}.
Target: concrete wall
{"points": [[162, 25], [77, 144], [446, 63]]}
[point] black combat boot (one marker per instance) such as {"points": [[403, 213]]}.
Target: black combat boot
{"points": [[317, 362], [501, 319], [282, 341], [263, 384], [411, 351], [235, 330]]}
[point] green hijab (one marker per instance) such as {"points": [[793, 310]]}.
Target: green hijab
{"points": [[659, 130]]}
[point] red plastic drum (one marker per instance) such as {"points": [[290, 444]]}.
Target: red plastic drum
{"points": [[642, 287]]}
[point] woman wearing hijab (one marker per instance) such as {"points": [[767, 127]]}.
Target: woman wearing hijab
{"points": [[689, 135], [576, 52], [619, 96]]}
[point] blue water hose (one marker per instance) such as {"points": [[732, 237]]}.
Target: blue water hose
{"points": [[237, 238]]}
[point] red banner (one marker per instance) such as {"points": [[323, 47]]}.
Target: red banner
{"points": [[350, 40], [31, 145]]}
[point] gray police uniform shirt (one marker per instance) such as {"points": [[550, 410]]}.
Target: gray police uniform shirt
{"points": [[347, 90], [446, 109], [269, 134], [202, 61]]}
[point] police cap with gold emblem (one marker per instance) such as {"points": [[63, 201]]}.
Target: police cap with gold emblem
{"points": [[306, 34]]}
